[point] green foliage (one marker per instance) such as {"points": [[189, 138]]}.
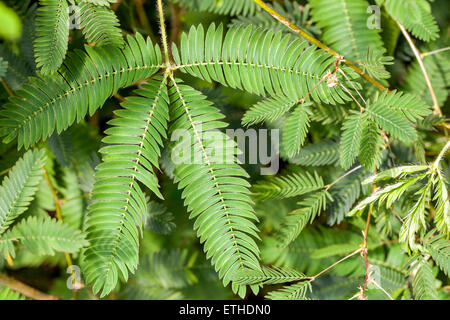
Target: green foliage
{"points": [[416, 16], [45, 236], [52, 34], [100, 25], [116, 153], [7, 294], [18, 188], [344, 25], [257, 61], [231, 7], [287, 186]]}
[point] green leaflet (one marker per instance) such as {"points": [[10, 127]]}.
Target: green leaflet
{"points": [[258, 61], [43, 102], [229, 7], [351, 138], [296, 129], [100, 25], [45, 236], [286, 186], [345, 26], [128, 160], [52, 32], [18, 188], [221, 208], [415, 15]]}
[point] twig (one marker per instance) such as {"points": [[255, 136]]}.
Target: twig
{"points": [[328, 186], [7, 88], [58, 202], [441, 155], [425, 54], [316, 42], [416, 51], [364, 246], [162, 25], [311, 279], [24, 289]]}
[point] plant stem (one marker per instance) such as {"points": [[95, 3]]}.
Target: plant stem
{"points": [[425, 54], [7, 88], [328, 186], [441, 154], [163, 31], [311, 279], [24, 289], [316, 42], [57, 202], [416, 51]]}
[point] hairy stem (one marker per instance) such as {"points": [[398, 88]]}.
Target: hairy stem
{"points": [[162, 25], [24, 289], [316, 42], [416, 51]]}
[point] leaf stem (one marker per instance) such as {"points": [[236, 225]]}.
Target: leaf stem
{"points": [[316, 42], [24, 289], [425, 54], [441, 154], [416, 52], [57, 202], [7, 88], [328, 186], [311, 279]]}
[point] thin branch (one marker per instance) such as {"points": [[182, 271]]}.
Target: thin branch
{"points": [[311, 279], [441, 155], [364, 246], [316, 42], [24, 289], [162, 25], [425, 54], [328, 186], [7, 88], [416, 51], [58, 202]]}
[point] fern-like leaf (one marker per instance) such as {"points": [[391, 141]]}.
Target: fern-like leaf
{"points": [[439, 249], [19, 187], [351, 138], [228, 7], [268, 110], [344, 25], [287, 186], [322, 153], [52, 35], [296, 291], [221, 207], [100, 26], [117, 214], [48, 104], [416, 16], [259, 61], [45, 236], [269, 275], [296, 129], [295, 221]]}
